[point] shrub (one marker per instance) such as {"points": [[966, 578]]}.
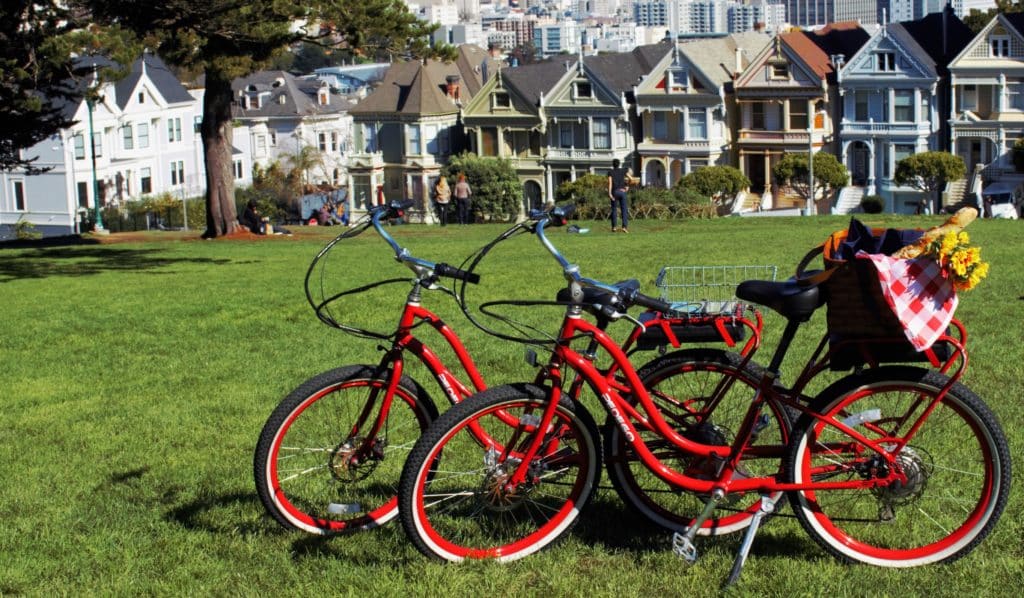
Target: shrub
{"points": [[590, 195], [497, 192], [25, 230], [872, 204]]}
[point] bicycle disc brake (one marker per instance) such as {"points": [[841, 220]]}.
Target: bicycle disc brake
{"points": [[350, 464]]}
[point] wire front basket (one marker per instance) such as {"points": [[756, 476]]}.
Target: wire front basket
{"points": [[707, 290]]}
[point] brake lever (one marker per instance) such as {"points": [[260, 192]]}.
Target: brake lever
{"points": [[635, 322]]}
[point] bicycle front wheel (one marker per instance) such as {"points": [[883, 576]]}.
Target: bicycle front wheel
{"points": [[457, 499], [704, 394], [318, 466], [940, 497]]}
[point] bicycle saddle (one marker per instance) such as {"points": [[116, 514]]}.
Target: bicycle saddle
{"points": [[786, 297]]}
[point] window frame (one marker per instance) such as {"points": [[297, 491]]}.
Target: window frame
{"points": [[702, 119], [999, 46], [907, 96], [601, 139], [127, 136], [19, 203], [885, 62]]}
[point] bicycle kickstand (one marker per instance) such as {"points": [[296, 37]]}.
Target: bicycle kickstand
{"points": [[682, 544], [767, 507]]}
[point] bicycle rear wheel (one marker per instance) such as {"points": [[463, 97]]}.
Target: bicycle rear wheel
{"points": [[314, 466], [455, 498], [686, 387], [953, 474]]}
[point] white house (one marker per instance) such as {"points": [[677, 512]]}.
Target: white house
{"points": [[140, 138]]}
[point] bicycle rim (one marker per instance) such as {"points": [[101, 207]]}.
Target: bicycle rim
{"points": [[955, 471], [316, 469], [456, 501], [682, 385]]}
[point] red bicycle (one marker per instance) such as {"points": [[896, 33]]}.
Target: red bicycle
{"points": [[894, 466], [330, 454]]}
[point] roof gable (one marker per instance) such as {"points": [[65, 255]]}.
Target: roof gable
{"points": [[497, 99], [164, 83], [891, 52], [982, 48], [786, 64], [953, 36], [582, 88]]}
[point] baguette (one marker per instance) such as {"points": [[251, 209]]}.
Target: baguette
{"points": [[956, 223]]}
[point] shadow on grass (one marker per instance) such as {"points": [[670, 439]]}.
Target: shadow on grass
{"points": [[88, 260], [225, 514]]}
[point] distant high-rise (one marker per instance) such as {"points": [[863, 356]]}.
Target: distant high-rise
{"points": [[815, 13]]}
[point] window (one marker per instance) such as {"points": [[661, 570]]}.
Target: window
{"points": [[678, 78], [901, 151], [999, 46], [925, 108], [334, 141], [860, 106], [565, 135], [142, 98], [886, 167], [239, 174], [178, 172], [757, 115], [489, 141], [415, 147], [197, 124], [273, 137], [129, 140], [798, 120], [969, 97], [1015, 96], [443, 146], [143, 135], [696, 165], [83, 194], [430, 139], [97, 144], [261, 145], [602, 133], [584, 90], [145, 181], [19, 195], [659, 125], [502, 100], [779, 70], [697, 127], [322, 140], [79, 143], [903, 106], [173, 129], [885, 62], [369, 138]]}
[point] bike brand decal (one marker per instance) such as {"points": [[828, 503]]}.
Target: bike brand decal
{"points": [[443, 379], [617, 417]]}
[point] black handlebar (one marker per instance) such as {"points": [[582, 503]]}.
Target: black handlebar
{"points": [[442, 269], [648, 302]]}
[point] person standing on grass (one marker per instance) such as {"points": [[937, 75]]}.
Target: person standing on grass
{"points": [[618, 185], [442, 195], [462, 195]]}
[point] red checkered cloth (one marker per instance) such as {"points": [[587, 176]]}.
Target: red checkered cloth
{"points": [[919, 293]]}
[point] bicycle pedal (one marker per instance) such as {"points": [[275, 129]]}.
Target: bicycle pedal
{"points": [[684, 547]]}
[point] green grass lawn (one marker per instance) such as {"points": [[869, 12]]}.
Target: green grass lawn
{"points": [[137, 376]]}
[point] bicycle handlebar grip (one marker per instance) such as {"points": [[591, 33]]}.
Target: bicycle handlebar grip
{"points": [[650, 302], [456, 273]]}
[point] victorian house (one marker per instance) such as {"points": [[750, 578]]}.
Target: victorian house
{"points": [[404, 131], [507, 120], [889, 105], [295, 122], [684, 106], [987, 116], [138, 138], [560, 119], [589, 115], [785, 105]]}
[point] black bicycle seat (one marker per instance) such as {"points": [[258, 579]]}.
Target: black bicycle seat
{"points": [[786, 297]]}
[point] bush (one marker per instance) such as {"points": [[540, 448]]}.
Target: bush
{"points": [[676, 203], [268, 203], [872, 204], [25, 230], [590, 195], [497, 192]]}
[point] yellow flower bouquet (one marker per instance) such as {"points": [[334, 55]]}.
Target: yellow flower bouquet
{"points": [[960, 261]]}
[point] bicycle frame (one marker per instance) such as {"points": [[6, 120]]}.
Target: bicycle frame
{"points": [[624, 414]]}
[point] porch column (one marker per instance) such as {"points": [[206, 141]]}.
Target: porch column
{"points": [[428, 212], [1001, 99], [871, 168], [548, 188]]}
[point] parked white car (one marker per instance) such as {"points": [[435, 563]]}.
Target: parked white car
{"points": [[1004, 200]]}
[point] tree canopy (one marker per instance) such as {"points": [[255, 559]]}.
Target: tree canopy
{"points": [[719, 183], [929, 171], [38, 79], [829, 174], [226, 39]]}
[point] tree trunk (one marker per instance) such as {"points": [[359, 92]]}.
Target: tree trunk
{"points": [[221, 217]]}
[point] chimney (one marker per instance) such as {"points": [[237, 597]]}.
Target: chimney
{"points": [[452, 86], [739, 60], [494, 49]]}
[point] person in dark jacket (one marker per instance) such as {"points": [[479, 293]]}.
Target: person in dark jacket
{"points": [[618, 185]]}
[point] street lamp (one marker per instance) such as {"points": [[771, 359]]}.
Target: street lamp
{"points": [[809, 209], [90, 102]]}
